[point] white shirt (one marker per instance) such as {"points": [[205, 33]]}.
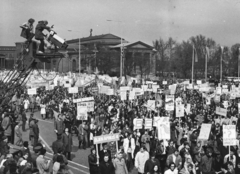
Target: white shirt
{"points": [[169, 171]]}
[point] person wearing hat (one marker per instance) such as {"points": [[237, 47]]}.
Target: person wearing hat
{"points": [[28, 28], [42, 25]]}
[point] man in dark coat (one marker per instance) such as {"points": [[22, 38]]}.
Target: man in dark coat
{"points": [[93, 164], [39, 35], [103, 152], [106, 166], [56, 145], [149, 165]]}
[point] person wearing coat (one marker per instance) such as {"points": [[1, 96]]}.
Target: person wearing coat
{"points": [[7, 127], [141, 157], [106, 166], [43, 165], [119, 164], [67, 144], [174, 158], [42, 25], [57, 145], [129, 147], [83, 135], [59, 125], [93, 163]]}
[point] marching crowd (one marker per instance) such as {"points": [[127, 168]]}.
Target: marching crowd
{"points": [[138, 148]]}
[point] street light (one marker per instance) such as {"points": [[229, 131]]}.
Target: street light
{"points": [[79, 52]]}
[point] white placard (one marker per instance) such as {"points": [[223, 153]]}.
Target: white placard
{"points": [[180, 110], [73, 90], [199, 82], [123, 95], [83, 99], [164, 128], [169, 102], [138, 123], [221, 111], [205, 131], [229, 135], [148, 123], [32, 91], [164, 82], [82, 112]]}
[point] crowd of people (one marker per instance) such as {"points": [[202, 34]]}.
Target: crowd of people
{"points": [[138, 149]]}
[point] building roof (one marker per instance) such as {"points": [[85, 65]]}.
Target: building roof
{"points": [[97, 37], [137, 45]]}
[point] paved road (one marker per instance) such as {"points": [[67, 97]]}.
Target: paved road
{"points": [[79, 163]]}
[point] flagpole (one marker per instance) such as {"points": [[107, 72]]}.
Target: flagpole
{"points": [[206, 59], [238, 62], [221, 64], [192, 66]]}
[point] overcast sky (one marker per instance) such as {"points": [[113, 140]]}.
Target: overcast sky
{"points": [[144, 20]]}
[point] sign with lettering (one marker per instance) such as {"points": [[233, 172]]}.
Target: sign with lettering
{"points": [[205, 131], [105, 138], [163, 128], [83, 99], [221, 111], [138, 123], [148, 123], [32, 91], [229, 135], [73, 90], [169, 102]]}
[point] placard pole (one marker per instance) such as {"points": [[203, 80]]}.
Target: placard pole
{"points": [[117, 146], [97, 154]]}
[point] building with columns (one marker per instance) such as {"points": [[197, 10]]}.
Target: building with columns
{"points": [[101, 51]]}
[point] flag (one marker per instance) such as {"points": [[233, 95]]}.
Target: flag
{"points": [[195, 54], [207, 53]]}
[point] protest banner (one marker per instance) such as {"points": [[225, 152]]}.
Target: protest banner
{"points": [[151, 105], [155, 121], [188, 108], [105, 138], [104, 89], [144, 87], [73, 90], [110, 92], [164, 82], [169, 102], [148, 123], [123, 95], [82, 112], [205, 131], [32, 91], [83, 99], [221, 111], [229, 135], [199, 82], [125, 88], [163, 128], [131, 95], [179, 110], [218, 90], [137, 123], [88, 104]]}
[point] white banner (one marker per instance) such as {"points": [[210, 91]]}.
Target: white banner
{"points": [[169, 102], [163, 128], [82, 112], [83, 99], [73, 90], [32, 91], [229, 135], [205, 131]]}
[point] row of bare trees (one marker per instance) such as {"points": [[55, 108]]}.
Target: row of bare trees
{"points": [[176, 58]]}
